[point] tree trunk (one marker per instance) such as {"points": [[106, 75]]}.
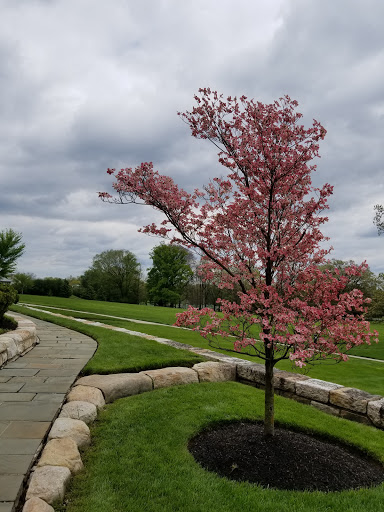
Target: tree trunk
{"points": [[269, 413]]}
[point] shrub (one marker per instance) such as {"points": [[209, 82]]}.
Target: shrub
{"points": [[8, 296], [9, 324]]}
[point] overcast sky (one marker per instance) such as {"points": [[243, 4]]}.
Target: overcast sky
{"points": [[89, 84]]}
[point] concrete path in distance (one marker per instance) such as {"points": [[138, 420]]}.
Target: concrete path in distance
{"points": [[133, 320], [32, 391]]}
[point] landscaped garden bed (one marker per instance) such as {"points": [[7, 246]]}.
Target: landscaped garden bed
{"points": [[139, 458]]}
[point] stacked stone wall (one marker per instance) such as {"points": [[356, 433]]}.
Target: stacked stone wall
{"points": [[14, 344], [345, 402]]}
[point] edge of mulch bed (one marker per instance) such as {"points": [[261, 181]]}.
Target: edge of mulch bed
{"points": [[294, 459]]}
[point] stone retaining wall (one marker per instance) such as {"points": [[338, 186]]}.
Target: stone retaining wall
{"points": [[14, 344], [61, 459], [345, 402]]}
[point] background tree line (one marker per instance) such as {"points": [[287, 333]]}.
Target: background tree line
{"points": [[173, 280]]}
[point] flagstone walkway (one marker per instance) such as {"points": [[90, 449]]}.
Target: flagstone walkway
{"points": [[32, 391]]}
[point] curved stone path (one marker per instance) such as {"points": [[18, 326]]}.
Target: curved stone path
{"points": [[32, 391]]}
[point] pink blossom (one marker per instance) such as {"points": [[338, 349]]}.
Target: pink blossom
{"points": [[258, 230]]}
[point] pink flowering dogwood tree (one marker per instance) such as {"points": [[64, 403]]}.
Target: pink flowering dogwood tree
{"points": [[257, 229]]}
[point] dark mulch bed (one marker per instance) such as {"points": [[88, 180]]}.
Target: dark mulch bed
{"points": [[290, 460]]}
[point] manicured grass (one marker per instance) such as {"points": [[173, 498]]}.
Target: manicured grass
{"points": [[119, 352], [357, 373], [375, 350], [139, 458], [136, 311], [164, 316]]}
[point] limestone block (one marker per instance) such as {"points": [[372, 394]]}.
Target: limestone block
{"points": [[22, 322], [352, 399], [10, 346], [118, 385], [328, 409], [23, 334], [74, 429], [18, 341], [37, 505], [223, 358], [3, 358], [215, 372], [355, 416], [3, 352], [316, 389], [253, 372], [48, 483], [84, 411], [87, 394], [208, 354], [375, 411], [172, 376], [286, 381], [171, 343], [24, 340], [62, 452]]}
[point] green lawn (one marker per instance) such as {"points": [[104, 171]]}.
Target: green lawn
{"points": [[136, 311], [358, 373], [139, 460], [162, 315], [375, 350], [119, 352]]}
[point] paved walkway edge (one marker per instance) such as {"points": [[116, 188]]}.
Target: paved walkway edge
{"points": [[32, 390], [14, 344]]}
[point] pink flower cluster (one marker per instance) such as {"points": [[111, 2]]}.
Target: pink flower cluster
{"points": [[258, 231]]}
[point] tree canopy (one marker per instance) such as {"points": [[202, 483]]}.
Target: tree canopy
{"points": [[23, 282], [169, 275], [113, 276], [11, 248], [259, 226]]}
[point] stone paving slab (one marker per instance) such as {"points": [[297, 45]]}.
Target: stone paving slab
{"points": [[19, 446], [16, 364], [35, 379], [6, 507], [45, 387], [10, 486], [58, 372], [27, 411], [11, 387], [56, 398], [32, 391], [19, 372], [26, 429], [3, 426], [15, 464], [16, 397]]}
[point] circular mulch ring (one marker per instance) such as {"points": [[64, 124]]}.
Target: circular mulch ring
{"points": [[290, 460]]}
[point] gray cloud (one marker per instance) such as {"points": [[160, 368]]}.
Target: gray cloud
{"points": [[86, 86]]}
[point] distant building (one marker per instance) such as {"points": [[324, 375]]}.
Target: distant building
{"points": [[5, 280]]}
